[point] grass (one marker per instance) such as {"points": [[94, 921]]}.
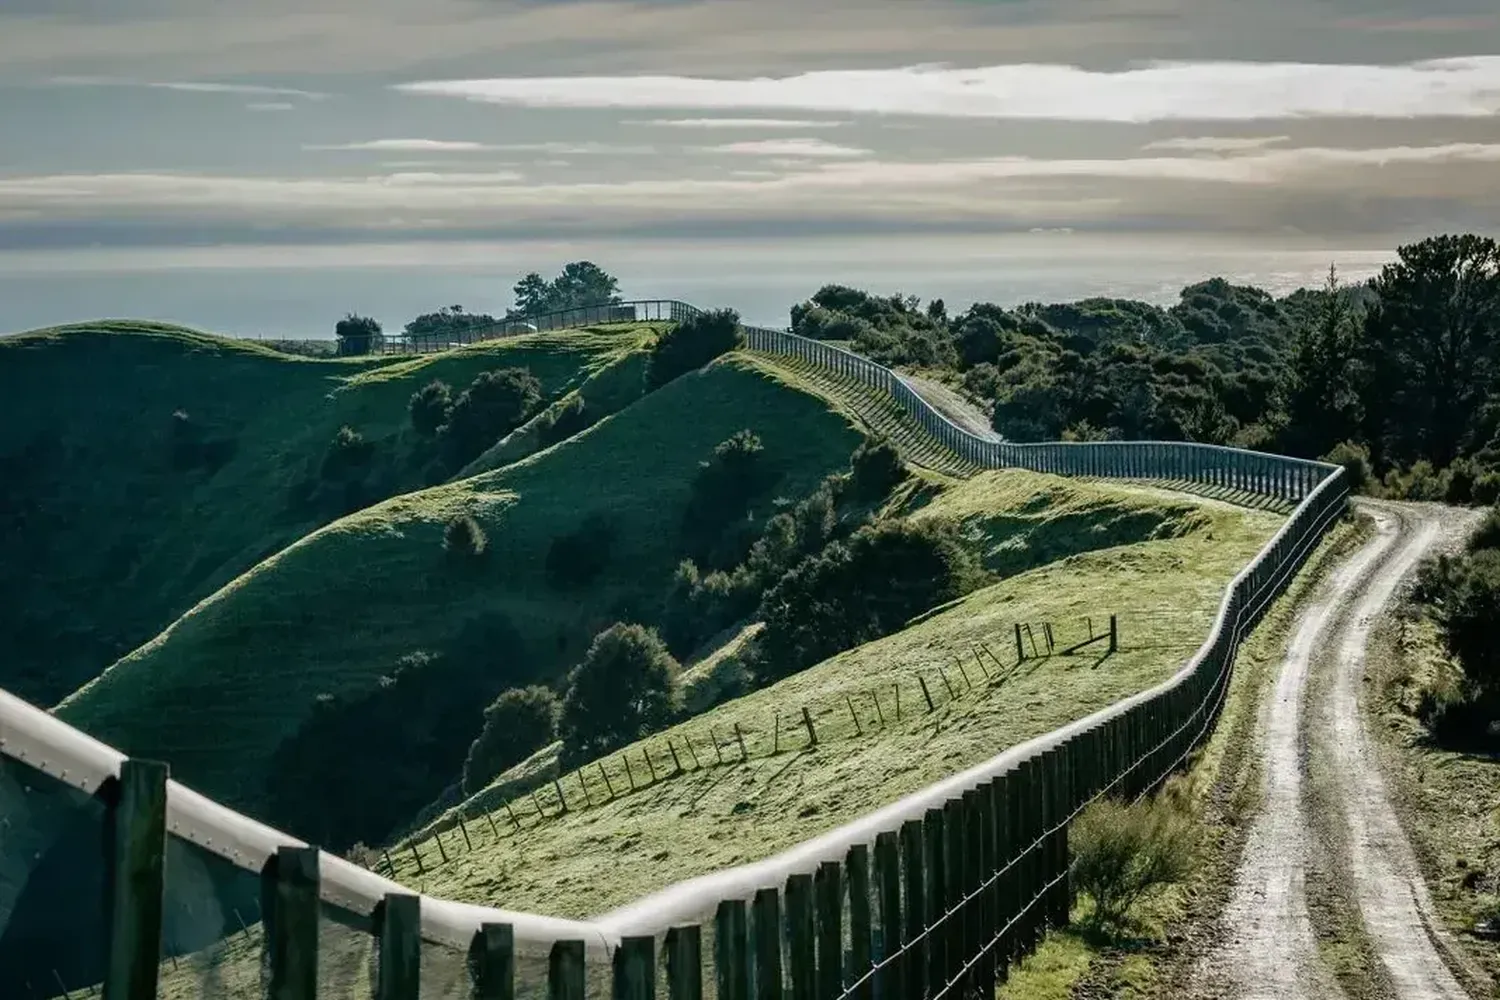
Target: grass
{"points": [[1175, 929], [1162, 568], [1449, 801], [97, 505], [222, 687]]}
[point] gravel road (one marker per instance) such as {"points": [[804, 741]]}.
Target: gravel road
{"points": [[1268, 948]]}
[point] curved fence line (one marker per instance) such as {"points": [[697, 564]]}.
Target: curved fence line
{"points": [[1135, 735]]}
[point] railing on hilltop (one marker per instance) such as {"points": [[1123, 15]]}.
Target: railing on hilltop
{"points": [[933, 895], [636, 311]]}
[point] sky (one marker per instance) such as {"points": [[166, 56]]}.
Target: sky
{"points": [[262, 168]]}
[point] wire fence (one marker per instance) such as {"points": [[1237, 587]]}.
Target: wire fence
{"points": [[934, 895]]}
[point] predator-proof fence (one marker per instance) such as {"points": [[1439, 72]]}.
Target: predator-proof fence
{"points": [[115, 879]]}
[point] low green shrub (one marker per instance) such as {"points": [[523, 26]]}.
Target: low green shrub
{"points": [[1355, 458], [1124, 854], [516, 725], [625, 688], [693, 343], [430, 407], [464, 539], [348, 455]]}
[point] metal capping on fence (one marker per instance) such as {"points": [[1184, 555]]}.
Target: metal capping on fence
{"points": [[981, 855]]}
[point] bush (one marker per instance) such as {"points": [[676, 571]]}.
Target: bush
{"points": [[357, 335], [875, 469], [1125, 853], [725, 486], [625, 688], [1487, 535], [692, 344], [1355, 458], [493, 405], [1486, 488], [430, 407], [464, 539], [518, 723], [347, 455], [852, 593], [1467, 615], [563, 421], [576, 558]]}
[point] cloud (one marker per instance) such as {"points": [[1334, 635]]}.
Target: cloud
{"points": [[789, 148], [1216, 144], [408, 146], [269, 106], [189, 86], [1421, 25], [1161, 91], [745, 123]]}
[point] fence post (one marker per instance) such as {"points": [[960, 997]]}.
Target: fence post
{"points": [[956, 868], [137, 834], [828, 889], [982, 855], [635, 969], [290, 905], [684, 946], [565, 971], [857, 866], [731, 964], [913, 866], [766, 937], [492, 962], [937, 898], [802, 969], [399, 924], [890, 983]]}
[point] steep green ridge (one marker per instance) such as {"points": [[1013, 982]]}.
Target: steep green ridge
{"points": [[108, 533], [225, 685], [1074, 550]]}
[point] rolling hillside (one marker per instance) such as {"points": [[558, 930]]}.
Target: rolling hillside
{"points": [[156, 464], [223, 688]]}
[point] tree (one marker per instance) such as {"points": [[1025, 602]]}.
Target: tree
{"points": [[430, 407], [692, 344], [1318, 397], [580, 285], [449, 323], [493, 405], [518, 723], [357, 335], [625, 688], [1430, 343], [874, 468]]}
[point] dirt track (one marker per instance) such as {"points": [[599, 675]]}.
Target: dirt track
{"points": [[1347, 835]]}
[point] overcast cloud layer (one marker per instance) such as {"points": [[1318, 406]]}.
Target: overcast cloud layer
{"points": [[148, 121]]}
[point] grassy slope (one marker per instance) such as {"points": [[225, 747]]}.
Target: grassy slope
{"points": [[217, 691], [592, 859], [1177, 927], [97, 507]]}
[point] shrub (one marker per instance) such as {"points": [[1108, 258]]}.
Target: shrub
{"points": [[725, 485], [1487, 535], [348, 454], [875, 469], [1461, 477], [576, 558], [518, 723], [1486, 488], [1125, 853], [1355, 458], [464, 539], [357, 335], [493, 405], [692, 344], [625, 688], [1466, 617], [855, 592], [566, 419], [430, 407]]}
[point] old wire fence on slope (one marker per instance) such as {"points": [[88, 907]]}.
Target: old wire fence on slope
{"points": [[935, 894]]}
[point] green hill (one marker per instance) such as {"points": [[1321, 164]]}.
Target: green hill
{"points": [[144, 466], [222, 690]]}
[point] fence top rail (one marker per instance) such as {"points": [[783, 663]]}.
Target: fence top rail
{"points": [[40, 740]]}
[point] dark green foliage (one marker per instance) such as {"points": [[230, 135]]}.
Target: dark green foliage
{"points": [[1463, 597], [493, 405], [625, 688], [570, 417], [450, 324], [692, 344], [1487, 535], [581, 284], [874, 470], [365, 761], [1319, 394], [518, 723], [348, 455], [1355, 458], [577, 558], [1124, 853], [464, 539], [725, 487], [857, 591], [1468, 614], [357, 334], [430, 407], [892, 330], [1430, 344]]}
